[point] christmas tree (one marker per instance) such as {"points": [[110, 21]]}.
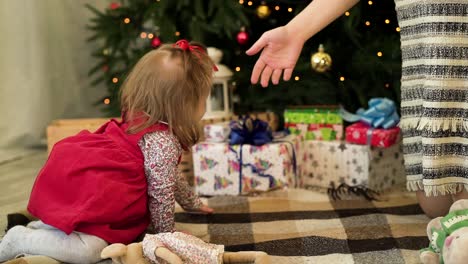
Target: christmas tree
{"points": [[363, 45]]}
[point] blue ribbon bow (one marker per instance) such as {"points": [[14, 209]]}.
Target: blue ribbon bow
{"points": [[250, 131], [381, 113]]}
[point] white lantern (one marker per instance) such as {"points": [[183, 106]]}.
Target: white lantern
{"points": [[219, 103]]}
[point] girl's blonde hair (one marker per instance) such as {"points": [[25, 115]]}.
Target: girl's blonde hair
{"points": [[167, 85]]}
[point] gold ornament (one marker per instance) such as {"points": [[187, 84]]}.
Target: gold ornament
{"points": [[321, 61], [263, 11]]}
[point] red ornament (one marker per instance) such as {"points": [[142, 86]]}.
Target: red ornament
{"points": [[105, 68], [156, 42], [242, 37], [114, 5]]}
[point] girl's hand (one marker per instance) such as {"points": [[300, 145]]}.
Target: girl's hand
{"points": [[202, 210]]}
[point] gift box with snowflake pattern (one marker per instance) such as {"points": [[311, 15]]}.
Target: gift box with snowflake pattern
{"points": [[223, 169], [330, 163]]}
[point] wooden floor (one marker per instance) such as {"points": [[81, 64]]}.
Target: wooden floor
{"points": [[18, 169]]}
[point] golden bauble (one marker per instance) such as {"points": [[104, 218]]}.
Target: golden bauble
{"points": [[321, 61], [263, 11]]}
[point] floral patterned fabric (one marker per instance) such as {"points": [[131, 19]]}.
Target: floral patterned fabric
{"points": [[162, 151], [190, 249]]}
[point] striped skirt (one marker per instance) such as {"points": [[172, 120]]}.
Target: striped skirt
{"points": [[434, 94]]}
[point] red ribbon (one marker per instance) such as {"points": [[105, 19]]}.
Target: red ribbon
{"points": [[185, 45]]}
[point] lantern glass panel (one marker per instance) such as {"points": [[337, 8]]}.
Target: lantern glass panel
{"points": [[217, 97]]}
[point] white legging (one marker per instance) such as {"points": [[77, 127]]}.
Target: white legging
{"points": [[42, 239]]}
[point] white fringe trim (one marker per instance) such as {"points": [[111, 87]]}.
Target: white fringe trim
{"points": [[435, 124], [435, 190]]}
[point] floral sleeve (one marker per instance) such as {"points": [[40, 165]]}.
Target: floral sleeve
{"points": [[185, 196], [161, 151]]}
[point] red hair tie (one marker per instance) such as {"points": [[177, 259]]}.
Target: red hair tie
{"points": [[185, 45]]}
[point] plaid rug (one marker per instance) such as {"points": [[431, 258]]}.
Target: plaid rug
{"points": [[301, 226]]}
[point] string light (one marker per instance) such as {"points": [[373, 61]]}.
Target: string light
{"points": [[387, 85], [115, 80], [107, 101], [342, 78], [296, 78], [370, 2], [237, 69], [143, 35], [126, 20], [347, 13], [241, 2], [105, 52], [150, 35], [290, 9], [249, 3], [379, 54], [177, 33], [277, 8], [387, 21], [397, 29], [367, 23]]}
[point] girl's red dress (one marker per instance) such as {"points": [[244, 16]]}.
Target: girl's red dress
{"points": [[95, 183]]}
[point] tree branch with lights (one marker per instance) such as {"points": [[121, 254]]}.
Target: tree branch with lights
{"points": [[363, 45]]}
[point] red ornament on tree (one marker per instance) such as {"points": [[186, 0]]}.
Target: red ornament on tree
{"points": [[105, 68], [242, 37], [156, 42], [114, 5]]}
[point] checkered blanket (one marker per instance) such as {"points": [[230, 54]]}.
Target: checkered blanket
{"points": [[301, 226]]}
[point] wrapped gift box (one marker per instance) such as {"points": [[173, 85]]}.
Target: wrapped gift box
{"points": [[338, 162], [218, 132], [315, 123], [222, 169], [363, 134]]}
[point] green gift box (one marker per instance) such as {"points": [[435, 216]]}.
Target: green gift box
{"points": [[315, 122]]}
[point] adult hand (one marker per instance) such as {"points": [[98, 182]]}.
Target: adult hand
{"points": [[281, 49]]}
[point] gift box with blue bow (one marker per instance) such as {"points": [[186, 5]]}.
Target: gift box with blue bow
{"points": [[252, 161], [376, 126]]}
